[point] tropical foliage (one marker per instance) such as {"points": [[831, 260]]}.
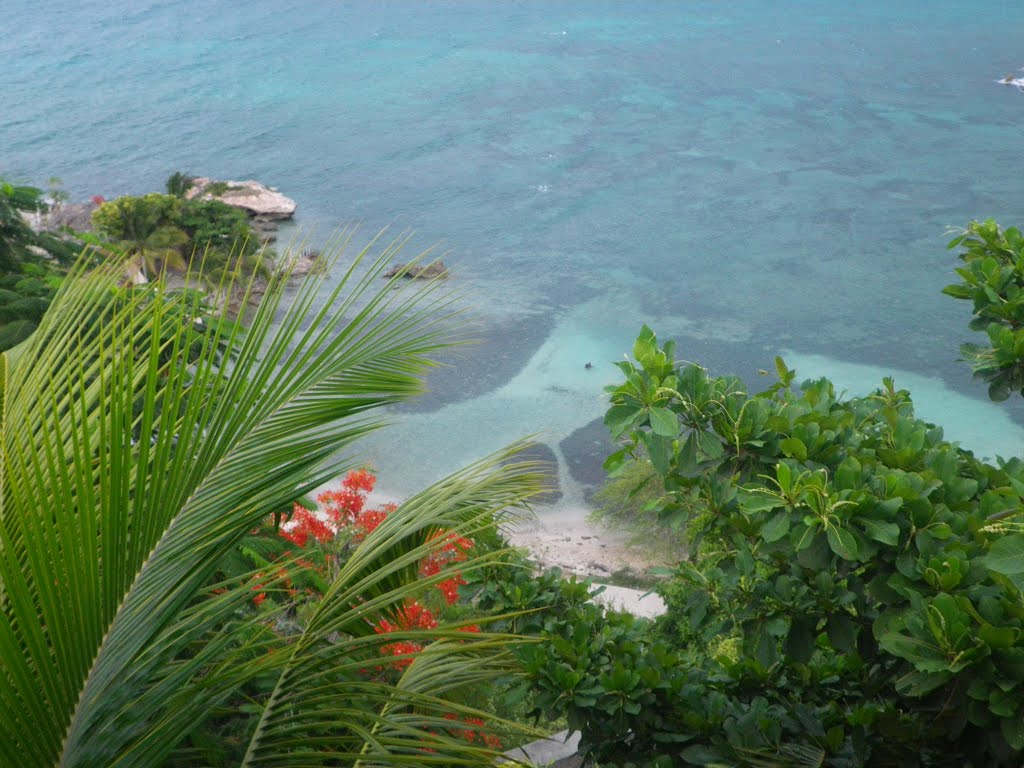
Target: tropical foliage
{"points": [[159, 231], [140, 463], [992, 279], [850, 589], [851, 594], [31, 263]]}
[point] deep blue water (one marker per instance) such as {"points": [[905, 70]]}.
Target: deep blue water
{"points": [[751, 177]]}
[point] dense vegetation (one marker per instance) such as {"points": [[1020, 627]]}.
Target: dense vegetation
{"points": [[152, 232], [31, 263], [852, 590]]}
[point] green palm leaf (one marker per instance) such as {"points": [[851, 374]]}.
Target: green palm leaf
{"points": [[135, 458]]}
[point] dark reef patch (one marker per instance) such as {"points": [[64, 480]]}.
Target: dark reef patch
{"points": [[499, 351], [548, 461], [585, 451]]}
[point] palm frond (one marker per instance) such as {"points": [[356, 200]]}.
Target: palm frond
{"points": [[135, 457]]}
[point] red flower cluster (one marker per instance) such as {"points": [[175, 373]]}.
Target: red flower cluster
{"points": [[259, 598], [490, 739], [450, 588], [337, 508], [453, 550], [367, 522], [305, 524], [410, 616], [360, 480], [345, 508]]}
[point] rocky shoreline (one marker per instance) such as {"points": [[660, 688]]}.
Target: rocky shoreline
{"points": [[265, 206]]}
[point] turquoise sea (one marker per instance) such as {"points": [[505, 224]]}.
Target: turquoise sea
{"points": [[752, 178]]}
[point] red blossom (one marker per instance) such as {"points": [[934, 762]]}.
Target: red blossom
{"points": [[305, 523], [367, 522], [450, 588], [412, 615], [401, 648], [470, 735], [258, 599], [454, 547], [342, 506], [360, 480], [492, 740]]}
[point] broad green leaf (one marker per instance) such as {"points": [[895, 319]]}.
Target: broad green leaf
{"points": [[913, 650], [784, 476], [842, 632], [621, 418], [776, 527], [659, 450], [999, 637], [794, 448], [1006, 555], [921, 683], [753, 500], [800, 641], [1013, 732], [843, 543], [887, 533], [664, 422]]}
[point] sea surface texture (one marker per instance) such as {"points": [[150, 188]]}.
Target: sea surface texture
{"points": [[751, 178]]}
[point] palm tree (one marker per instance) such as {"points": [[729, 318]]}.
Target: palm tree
{"points": [[116, 645]]}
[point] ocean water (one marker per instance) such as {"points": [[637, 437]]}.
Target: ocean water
{"points": [[750, 178]]}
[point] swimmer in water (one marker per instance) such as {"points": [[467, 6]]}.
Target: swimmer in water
{"points": [[1016, 82]]}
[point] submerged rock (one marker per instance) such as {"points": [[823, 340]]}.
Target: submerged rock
{"points": [[254, 198], [434, 269]]}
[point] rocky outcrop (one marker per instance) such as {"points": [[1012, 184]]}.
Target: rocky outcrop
{"points": [[59, 218], [74, 216], [431, 271], [300, 265], [256, 199]]}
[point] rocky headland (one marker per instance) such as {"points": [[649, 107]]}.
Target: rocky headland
{"points": [[266, 206]]}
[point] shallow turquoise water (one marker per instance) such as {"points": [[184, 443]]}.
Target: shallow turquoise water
{"points": [[751, 177]]}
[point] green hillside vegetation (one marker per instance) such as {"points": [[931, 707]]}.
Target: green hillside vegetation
{"points": [[31, 263]]}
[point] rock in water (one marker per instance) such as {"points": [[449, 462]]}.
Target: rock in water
{"points": [[300, 265], [252, 197], [415, 271]]}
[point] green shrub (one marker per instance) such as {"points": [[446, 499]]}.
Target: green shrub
{"points": [[179, 183], [862, 574], [992, 279]]}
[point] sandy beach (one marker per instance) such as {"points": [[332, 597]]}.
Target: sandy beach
{"points": [[563, 536], [574, 544]]}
